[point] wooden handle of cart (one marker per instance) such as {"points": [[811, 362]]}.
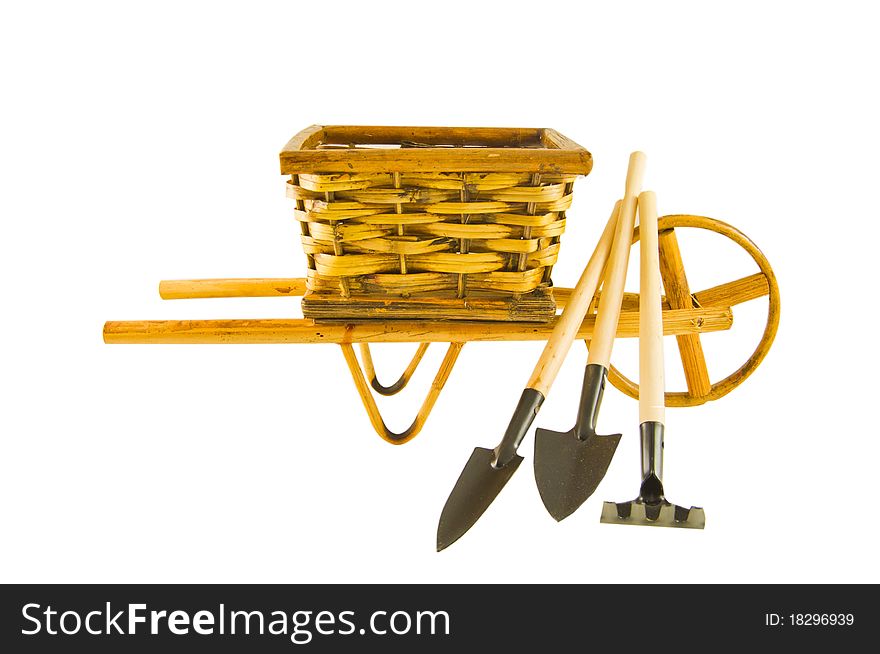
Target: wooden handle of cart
{"points": [[186, 289], [299, 330], [652, 400], [615, 276], [575, 309]]}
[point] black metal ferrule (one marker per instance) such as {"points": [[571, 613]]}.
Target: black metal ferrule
{"points": [[651, 437], [591, 399], [529, 403]]}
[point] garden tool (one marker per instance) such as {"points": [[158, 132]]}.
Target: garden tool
{"points": [[569, 465], [488, 471], [651, 506]]}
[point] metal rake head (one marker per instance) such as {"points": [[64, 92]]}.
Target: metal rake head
{"points": [[652, 509], [660, 514]]}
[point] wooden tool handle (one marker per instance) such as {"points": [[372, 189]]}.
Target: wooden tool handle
{"points": [[575, 309], [615, 276], [651, 382]]}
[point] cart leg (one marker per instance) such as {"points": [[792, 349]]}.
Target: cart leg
{"points": [[360, 382], [401, 383]]}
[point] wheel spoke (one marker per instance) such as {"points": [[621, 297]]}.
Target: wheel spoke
{"points": [[735, 292], [723, 295], [678, 295]]}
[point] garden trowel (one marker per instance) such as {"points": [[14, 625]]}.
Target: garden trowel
{"points": [[487, 471]]}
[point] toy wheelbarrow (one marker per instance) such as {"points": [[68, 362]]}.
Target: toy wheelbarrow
{"points": [[448, 235], [685, 315]]}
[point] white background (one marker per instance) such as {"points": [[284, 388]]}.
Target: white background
{"points": [[139, 143]]}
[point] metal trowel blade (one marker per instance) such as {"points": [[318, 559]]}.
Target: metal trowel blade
{"points": [[476, 488]]}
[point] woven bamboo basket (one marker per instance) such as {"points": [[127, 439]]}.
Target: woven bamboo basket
{"points": [[438, 223]]}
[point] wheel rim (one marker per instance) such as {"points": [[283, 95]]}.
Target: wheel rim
{"points": [[723, 387]]}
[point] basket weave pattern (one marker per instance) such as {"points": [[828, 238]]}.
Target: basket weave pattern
{"points": [[455, 223], [400, 233]]}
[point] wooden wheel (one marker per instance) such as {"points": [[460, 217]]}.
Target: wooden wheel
{"points": [[678, 296]]}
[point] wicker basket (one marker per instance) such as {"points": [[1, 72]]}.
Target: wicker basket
{"points": [[431, 222]]}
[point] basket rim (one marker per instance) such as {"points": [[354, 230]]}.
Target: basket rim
{"points": [[503, 149]]}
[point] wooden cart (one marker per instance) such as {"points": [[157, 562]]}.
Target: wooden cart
{"points": [[686, 315], [448, 235]]}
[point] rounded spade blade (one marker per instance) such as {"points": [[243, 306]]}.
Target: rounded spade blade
{"points": [[568, 470], [476, 488]]}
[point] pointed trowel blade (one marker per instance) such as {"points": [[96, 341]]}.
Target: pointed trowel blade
{"points": [[568, 470], [476, 488]]}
